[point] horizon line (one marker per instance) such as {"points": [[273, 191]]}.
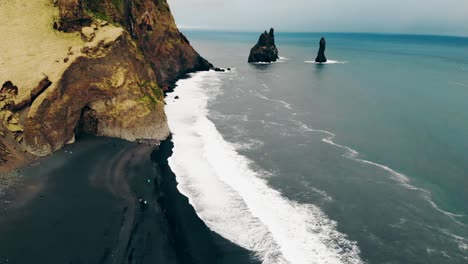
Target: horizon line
{"points": [[188, 28]]}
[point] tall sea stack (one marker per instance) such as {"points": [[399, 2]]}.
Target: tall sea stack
{"points": [[321, 53], [265, 50]]}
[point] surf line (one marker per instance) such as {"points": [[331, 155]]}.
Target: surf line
{"points": [[400, 177], [284, 103], [246, 210]]}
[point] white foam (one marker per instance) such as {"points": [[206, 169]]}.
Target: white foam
{"points": [[266, 63], [459, 84], [284, 103], [459, 240], [251, 144], [328, 62], [280, 59], [234, 200], [400, 177]]}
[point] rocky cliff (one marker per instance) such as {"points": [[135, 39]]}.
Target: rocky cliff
{"points": [[85, 66], [265, 50], [152, 26]]}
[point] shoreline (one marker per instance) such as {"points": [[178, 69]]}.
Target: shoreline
{"points": [[86, 208]]}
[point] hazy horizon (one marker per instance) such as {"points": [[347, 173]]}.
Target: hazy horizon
{"points": [[432, 17]]}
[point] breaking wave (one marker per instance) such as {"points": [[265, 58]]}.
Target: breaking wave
{"points": [[233, 199]]}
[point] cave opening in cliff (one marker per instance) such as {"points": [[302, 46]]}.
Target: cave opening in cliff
{"points": [[87, 124]]}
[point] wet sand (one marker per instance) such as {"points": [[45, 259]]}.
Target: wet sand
{"points": [[82, 205]]}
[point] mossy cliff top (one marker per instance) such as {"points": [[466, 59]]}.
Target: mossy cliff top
{"points": [[66, 70]]}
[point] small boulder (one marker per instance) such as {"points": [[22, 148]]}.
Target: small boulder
{"points": [[9, 88], [87, 34], [219, 69], [321, 53], [177, 97]]}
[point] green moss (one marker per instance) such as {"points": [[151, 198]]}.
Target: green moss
{"points": [[98, 15], [153, 94], [148, 101], [119, 5], [147, 86], [109, 83], [97, 8], [158, 92]]}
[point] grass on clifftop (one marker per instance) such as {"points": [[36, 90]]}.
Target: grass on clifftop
{"points": [[97, 8], [31, 46]]}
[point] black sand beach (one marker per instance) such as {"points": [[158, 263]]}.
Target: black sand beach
{"points": [[82, 205]]}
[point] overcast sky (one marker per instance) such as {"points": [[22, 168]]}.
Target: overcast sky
{"points": [[445, 17]]}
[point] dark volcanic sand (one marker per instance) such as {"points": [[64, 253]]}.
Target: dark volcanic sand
{"points": [[84, 207]]}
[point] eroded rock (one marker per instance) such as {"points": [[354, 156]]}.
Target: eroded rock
{"points": [[321, 53], [265, 50], [108, 86], [9, 88], [72, 16], [118, 98], [87, 34]]}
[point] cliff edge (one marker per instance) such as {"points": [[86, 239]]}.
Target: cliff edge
{"points": [[85, 66]]}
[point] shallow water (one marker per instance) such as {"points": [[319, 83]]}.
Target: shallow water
{"points": [[359, 160]]}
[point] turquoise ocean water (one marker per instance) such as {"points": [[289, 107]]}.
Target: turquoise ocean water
{"points": [[364, 159]]}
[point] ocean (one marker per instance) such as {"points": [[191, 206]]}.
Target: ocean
{"points": [[360, 160]]}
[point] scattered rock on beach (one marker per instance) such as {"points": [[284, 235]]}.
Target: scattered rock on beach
{"points": [[219, 70]]}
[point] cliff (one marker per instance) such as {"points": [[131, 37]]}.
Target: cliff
{"points": [[152, 26], [265, 50], [85, 66]]}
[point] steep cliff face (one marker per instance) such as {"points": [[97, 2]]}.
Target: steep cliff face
{"points": [[152, 26], [111, 85], [85, 66]]}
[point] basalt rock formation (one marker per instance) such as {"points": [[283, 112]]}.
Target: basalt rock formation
{"points": [[265, 50], [76, 66], [321, 53]]}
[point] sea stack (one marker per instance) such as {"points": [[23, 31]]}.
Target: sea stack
{"points": [[321, 53], [265, 50]]}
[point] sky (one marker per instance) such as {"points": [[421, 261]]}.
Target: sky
{"points": [[440, 17]]}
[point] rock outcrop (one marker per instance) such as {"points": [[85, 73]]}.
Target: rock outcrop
{"points": [[72, 15], [99, 68], [152, 26], [265, 50], [321, 53]]}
